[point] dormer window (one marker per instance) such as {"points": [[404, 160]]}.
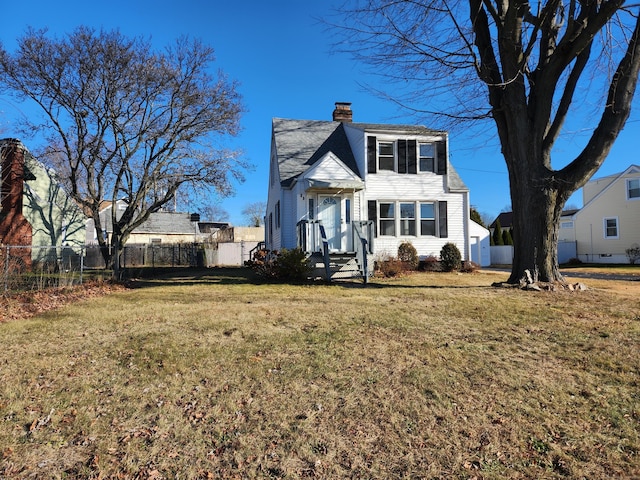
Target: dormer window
{"points": [[406, 156], [386, 156], [427, 157]]}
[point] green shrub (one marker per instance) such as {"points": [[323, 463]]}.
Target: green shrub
{"points": [[496, 237], [408, 254], [506, 237], [283, 265], [292, 265], [450, 257]]}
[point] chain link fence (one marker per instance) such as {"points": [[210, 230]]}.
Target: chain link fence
{"points": [[40, 267]]}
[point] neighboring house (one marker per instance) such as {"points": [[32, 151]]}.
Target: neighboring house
{"points": [[386, 184], [35, 203], [506, 222], [609, 221], [566, 230], [160, 227]]}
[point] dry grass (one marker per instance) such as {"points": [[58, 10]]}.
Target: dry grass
{"points": [[427, 376]]}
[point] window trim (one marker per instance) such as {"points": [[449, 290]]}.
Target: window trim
{"points": [[628, 189], [439, 219], [434, 158], [387, 219], [605, 228], [408, 220], [394, 155], [434, 218]]}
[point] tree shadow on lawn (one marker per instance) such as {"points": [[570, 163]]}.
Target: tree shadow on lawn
{"points": [[155, 277]]}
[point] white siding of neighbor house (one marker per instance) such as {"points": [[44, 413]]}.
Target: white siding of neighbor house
{"points": [[610, 202], [594, 187]]}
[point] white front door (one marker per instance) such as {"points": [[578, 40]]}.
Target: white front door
{"points": [[329, 215]]}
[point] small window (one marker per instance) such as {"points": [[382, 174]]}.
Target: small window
{"points": [[387, 219], [386, 158], [427, 157], [611, 227], [312, 208], [566, 224], [347, 210], [427, 219], [408, 219], [633, 189], [278, 214]]}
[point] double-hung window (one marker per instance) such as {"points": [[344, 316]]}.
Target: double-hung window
{"points": [[633, 189], [387, 219], [408, 219], [386, 156], [611, 227], [427, 218], [426, 160]]}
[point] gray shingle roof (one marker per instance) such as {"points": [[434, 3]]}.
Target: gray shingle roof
{"points": [[300, 143], [167, 222]]}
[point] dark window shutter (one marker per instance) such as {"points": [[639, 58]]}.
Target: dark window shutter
{"points": [[402, 156], [372, 162], [442, 157], [373, 215], [412, 156], [443, 231]]}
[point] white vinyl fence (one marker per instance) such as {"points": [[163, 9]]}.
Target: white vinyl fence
{"points": [[503, 254]]}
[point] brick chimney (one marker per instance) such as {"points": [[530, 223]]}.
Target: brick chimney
{"points": [[342, 112], [14, 227]]}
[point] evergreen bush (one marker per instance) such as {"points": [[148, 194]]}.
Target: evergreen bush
{"points": [[408, 254], [450, 257]]}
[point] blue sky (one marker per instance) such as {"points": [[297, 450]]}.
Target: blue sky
{"points": [[282, 57]]}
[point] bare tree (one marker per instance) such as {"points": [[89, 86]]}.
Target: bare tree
{"points": [[254, 213], [213, 212], [123, 122], [527, 66]]}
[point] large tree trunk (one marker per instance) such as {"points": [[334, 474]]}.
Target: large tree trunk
{"points": [[536, 216]]}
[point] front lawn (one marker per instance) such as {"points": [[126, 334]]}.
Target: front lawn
{"points": [[431, 375]]}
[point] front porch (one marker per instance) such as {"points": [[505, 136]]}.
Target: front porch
{"points": [[356, 261]]}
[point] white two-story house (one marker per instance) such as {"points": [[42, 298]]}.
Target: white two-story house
{"points": [[385, 184]]}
